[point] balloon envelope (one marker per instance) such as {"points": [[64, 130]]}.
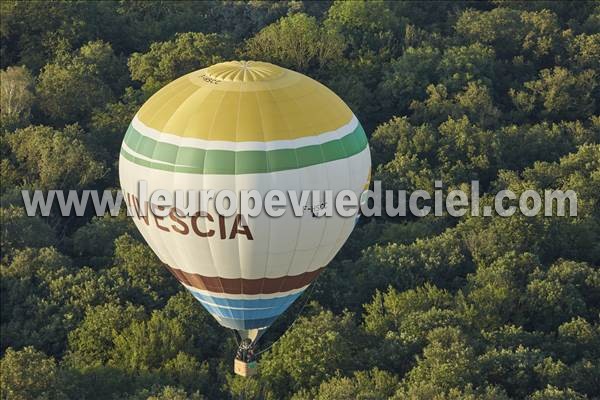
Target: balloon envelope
{"points": [[254, 126]]}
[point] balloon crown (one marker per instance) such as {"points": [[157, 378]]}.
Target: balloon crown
{"points": [[244, 71]]}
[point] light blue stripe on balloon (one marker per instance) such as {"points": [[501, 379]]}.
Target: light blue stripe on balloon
{"points": [[236, 313], [244, 314], [246, 323], [246, 303]]}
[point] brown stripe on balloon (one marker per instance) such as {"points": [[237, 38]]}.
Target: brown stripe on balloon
{"points": [[244, 286]]}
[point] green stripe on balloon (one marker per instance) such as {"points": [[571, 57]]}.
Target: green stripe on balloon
{"points": [[169, 157]]}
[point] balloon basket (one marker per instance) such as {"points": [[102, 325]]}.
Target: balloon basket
{"points": [[245, 369]]}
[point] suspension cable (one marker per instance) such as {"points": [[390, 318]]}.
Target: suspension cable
{"points": [[308, 296]]}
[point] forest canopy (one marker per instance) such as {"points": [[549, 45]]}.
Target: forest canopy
{"points": [[504, 92]]}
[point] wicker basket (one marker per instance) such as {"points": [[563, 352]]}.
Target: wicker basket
{"points": [[245, 369]]}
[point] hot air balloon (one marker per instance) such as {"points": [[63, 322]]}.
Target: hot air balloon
{"points": [[255, 126]]}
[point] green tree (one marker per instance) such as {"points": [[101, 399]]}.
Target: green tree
{"points": [[31, 34], [313, 350], [499, 27], [584, 51], [26, 318], [401, 321], [29, 374], [165, 393], [166, 61], [373, 384], [16, 88], [368, 27], [512, 369], [388, 312], [567, 290], [47, 158], [441, 261], [487, 392], [20, 231], [461, 64], [94, 243], [73, 84], [44, 297], [91, 343], [466, 152], [407, 77], [554, 393], [533, 35], [148, 345], [138, 275], [542, 40], [199, 326], [398, 135], [186, 371], [108, 124], [498, 291], [298, 42], [448, 362], [578, 339], [475, 102], [243, 19], [522, 146], [558, 94]]}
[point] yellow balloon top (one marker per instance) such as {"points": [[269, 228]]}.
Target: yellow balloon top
{"points": [[245, 101]]}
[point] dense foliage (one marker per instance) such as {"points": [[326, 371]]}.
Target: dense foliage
{"points": [[431, 308]]}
